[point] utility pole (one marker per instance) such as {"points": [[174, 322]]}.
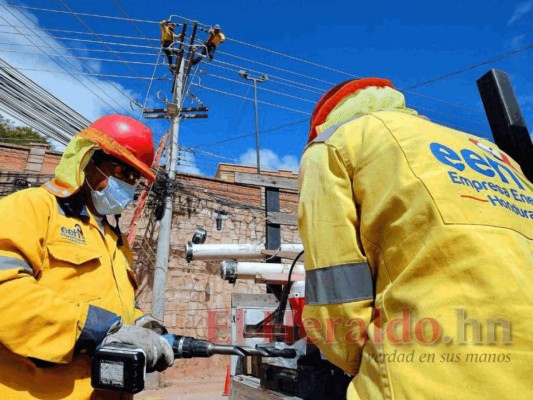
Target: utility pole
{"points": [[243, 74], [163, 242], [176, 113]]}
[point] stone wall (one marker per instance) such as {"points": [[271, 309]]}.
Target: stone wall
{"points": [[198, 301]]}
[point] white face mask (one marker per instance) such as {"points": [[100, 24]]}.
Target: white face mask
{"points": [[114, 198]]}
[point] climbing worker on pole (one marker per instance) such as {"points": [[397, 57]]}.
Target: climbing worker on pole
{"points": [[168, 37], [418, 246], [66, 278], [214, 38]]}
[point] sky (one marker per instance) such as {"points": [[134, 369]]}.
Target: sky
{"points": [[103, 56]]}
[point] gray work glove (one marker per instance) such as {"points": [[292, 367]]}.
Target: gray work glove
{"points": [[159, 353], [150, 323]]}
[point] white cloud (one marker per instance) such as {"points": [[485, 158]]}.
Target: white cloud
{"points": [[518, 41], [269, 160], [35, 56], [520, 10], [187, 163]]}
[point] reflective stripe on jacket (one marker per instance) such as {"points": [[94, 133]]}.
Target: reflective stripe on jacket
{"points": [[419, 255], [63, 283]]}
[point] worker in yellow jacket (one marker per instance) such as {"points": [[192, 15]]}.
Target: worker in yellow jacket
{"points": [[214, 38], [66, 278], [168, 37], [419, 252]]}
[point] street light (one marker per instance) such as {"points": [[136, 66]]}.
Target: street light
{"points": [[243, 74]]}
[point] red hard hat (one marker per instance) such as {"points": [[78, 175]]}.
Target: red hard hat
{"points": [[129, 134]]}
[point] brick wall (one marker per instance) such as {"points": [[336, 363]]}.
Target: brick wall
{"points": [[13, 158], [51, 159], [33, 159], [25, 166]]}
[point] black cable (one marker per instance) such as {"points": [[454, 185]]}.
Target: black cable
{"points": [[116, 228], [279, 312], [285, 294]]}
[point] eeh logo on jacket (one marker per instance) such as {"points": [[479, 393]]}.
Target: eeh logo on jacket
{"points": [[490, 174], [74, 235]]}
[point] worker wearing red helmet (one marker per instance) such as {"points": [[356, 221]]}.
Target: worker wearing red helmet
{"points": [[418, 246], [66, 278]]}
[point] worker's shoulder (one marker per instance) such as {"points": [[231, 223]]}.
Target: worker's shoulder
{"points": [[35, 197], [409, 126], [387, 125], [379, 118], [385, 121]]}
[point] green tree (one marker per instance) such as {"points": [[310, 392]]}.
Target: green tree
{"points": [[23, 135]]}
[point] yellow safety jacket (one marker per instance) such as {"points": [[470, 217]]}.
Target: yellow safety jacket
{"points": [[63, 284], [215, 39], [419, 255], [166, 34]]}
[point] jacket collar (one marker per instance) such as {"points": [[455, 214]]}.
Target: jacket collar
{"points": [[73, 206]]}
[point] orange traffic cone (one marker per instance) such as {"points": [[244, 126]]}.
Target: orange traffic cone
{"points": [[228, 382]]}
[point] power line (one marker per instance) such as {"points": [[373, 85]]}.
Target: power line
{"points": [[117, 3], [220, 77], [313, 102], [89, 29], [64, 57], [61, 38], [242, 97], [251, 134], [449, 115], [83, 14], [100, 75], [276, 68], [271, 77], [332, 83], [243, 43], [88, 50], [81, 57], [71, 74], [81, 33], [476, 110], [262, 88], [296, 59], [29, 103], [146, 21], [196, 151], [460, 71], [216, 76]]}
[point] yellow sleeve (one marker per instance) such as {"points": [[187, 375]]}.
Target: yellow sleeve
{"points": [[164, 30], [34, 321], [339, 285]]}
